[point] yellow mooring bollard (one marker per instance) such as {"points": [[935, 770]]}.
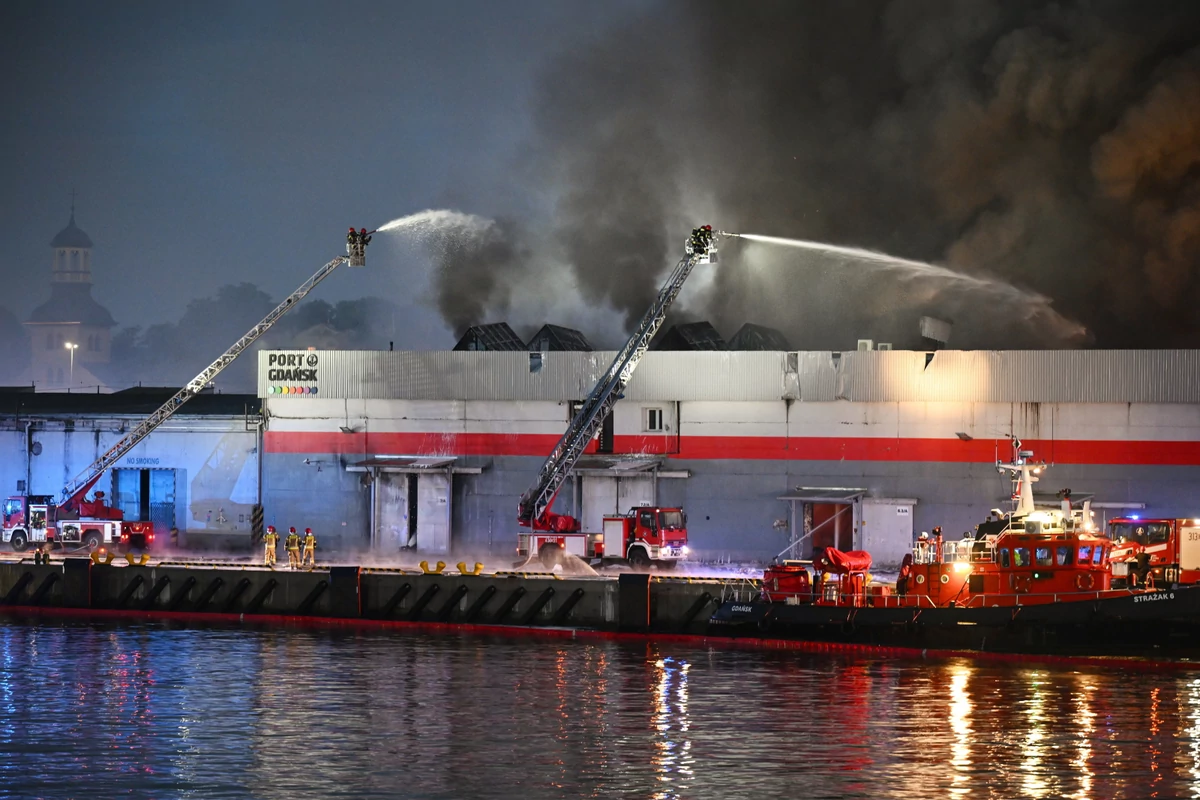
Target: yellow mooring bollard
{"points": [[441, 565], [462, 567]]}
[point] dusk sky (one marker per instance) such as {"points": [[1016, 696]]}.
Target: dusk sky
{"points": [[222, 142], [1046, 150]]}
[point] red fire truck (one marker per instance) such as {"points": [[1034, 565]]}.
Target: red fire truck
{"points": [[647, 535], [1158, 550], [36, 519]]}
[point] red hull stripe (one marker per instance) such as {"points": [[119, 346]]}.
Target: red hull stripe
{"points": [[811, 448], [401, 626]]}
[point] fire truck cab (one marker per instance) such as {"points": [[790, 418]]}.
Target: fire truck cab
{"points": [[1160, 550], [647, 535]]}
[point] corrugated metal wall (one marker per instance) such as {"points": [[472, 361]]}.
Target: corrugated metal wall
{"points": [[1065, 376]]}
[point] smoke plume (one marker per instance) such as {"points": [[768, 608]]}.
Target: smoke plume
{"points": [[1055, 145]]}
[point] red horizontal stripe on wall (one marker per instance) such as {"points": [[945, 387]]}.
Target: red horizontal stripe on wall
{"points": [[776, 448]]}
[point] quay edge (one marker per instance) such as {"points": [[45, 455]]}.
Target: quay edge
{"points": [[635, 603]]}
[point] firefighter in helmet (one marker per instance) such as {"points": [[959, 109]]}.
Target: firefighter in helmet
{"points": [[310, 549], [270, 541], [292, 543], [351, 238], [363, 237]]}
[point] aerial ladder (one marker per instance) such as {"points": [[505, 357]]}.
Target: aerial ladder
{"points": [[533, 510], [77, 489]]}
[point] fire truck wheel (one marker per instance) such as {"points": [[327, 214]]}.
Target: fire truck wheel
{"points": [[19, 541], [639, 558], [550, 555], [93, 540]]}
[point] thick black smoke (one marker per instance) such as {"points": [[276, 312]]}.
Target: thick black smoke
{"points": [[1053, 144]]}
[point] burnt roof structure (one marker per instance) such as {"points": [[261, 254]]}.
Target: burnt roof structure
{"points": [[495, 336], [758, 337], [558, 339], [690, 336]]}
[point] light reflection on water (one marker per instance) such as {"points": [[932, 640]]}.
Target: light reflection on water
{"points": [[153, 711]]}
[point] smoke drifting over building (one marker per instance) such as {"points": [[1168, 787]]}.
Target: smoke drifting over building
{"points": [[1054, 145]]}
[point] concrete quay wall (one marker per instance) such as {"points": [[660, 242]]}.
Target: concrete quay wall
{"points": [[630, 602]]}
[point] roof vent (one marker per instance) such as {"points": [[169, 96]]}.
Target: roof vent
{"points": [[866, 344], [884, 346]]}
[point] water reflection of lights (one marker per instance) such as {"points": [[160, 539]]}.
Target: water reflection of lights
{"points": [[960, 726], [673, 749], [1033, 749], [1193, 732], [1085, 731]]}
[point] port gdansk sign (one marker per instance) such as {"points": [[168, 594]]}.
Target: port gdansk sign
{"points": [[286, 371]]}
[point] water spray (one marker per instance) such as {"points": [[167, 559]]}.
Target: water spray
{"points": [[1033, 302]]}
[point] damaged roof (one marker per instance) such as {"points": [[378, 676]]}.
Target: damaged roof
{"points": [[758, 337], [558, 338], [691, 336], [494, 336]]}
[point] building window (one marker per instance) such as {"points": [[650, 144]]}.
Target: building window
{"points": [[654, 419]]}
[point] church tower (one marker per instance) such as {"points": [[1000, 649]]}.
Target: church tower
{"points": [[70, 333]]}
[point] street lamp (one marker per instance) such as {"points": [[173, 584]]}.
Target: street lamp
{"points": [[72, 347]]}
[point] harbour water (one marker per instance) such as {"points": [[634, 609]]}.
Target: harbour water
{"points": [[152, 710]]}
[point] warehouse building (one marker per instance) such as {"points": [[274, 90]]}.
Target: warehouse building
{"points": [[198, 472], [764, 450]]}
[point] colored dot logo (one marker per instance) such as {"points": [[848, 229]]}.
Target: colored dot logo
{"points": [[290, 390]]}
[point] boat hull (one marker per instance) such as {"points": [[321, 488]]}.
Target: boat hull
{"points": [[1163, 624]]}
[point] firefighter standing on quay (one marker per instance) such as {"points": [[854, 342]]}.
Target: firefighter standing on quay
{"points": [[270, 540], [310, 549], [292, 543]]}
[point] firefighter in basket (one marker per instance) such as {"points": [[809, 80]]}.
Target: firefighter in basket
{"points": [[292, 543], [700, 241], [351, 242], [309, 558], [270, 541]]}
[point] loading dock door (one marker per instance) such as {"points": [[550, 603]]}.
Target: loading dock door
{"points": [[599, 501], [391, 511], [433, 513], [887, 529], [149, 494], [604, 496]]}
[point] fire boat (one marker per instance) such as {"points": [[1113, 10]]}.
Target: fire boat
{"points": [[1030, 581]]}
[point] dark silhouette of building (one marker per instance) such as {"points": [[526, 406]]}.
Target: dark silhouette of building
{"points": [[70, 334]]}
